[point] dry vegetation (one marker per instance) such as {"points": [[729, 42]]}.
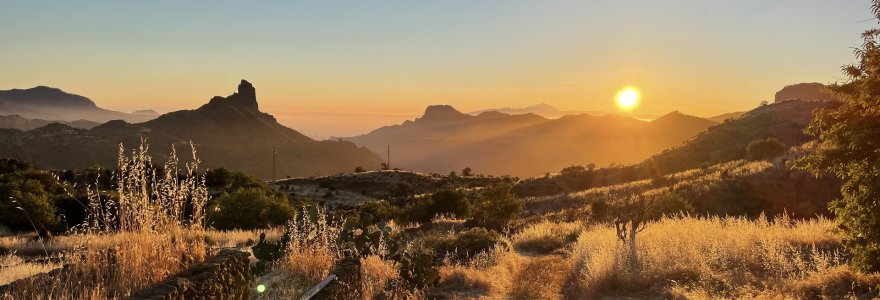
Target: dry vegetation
{"points": [[692, 258], [135, 237], [569, 206], [146, 235]]}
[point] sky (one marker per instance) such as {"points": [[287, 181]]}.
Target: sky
{"points": [[345, 67]]}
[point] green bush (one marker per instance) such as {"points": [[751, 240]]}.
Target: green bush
{"points": [[380, 210], [496, 205], [229, 181], [450, 201], [23, 201], [765, 149], [250, 209], [669, 203]]}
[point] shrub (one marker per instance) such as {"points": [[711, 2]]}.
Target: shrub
{"points": [[449, 201], [381, 210], [23, 202], [249, 209], [402, 189], [466, 172], [765, 149], [229, 181], [496, 205], [669, 203], [359, 169]]}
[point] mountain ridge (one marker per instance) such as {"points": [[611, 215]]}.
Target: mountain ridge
{"points": [[227, 132], [49, 103], [443, 140]]}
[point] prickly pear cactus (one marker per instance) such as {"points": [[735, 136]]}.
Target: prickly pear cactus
{"points": [[417, 267], [362, 236]]}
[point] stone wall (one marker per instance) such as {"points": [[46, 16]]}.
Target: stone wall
{"points": [[224, 276], [347, 284]]}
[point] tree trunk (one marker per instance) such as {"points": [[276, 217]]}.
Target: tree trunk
{"points": [[634, 263]]}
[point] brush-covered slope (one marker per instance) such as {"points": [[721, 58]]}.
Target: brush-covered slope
{"points": [[228, 132], [784, 121], [445, 140]]}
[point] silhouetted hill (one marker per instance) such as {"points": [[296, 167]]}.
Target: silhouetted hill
{"points": [[20, 123], [228, 132], [54, 104], [804, 91], [445, 140], [542, 109], [728, 116], [146, 112], [784, 121]]}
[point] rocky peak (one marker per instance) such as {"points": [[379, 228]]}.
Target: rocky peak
{"points": [[245, 97], [435, 113]]}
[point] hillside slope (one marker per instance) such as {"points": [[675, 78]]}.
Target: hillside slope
{"points": [[784, 121]]}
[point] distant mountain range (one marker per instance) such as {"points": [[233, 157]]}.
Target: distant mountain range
{"points": [[48, 103], [228, 132], [542, 109], [20, 123], [444, 139]]}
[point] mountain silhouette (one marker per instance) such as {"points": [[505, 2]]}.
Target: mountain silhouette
{"points": [[228, 132], [21, 123], [541, 109], [804, 91], [54, 104], [444, 140]]}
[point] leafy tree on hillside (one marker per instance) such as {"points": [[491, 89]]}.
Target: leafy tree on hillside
{"points": [[765, 149], [849, 137], [23, 201]]}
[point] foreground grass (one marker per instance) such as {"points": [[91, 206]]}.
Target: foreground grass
{"points": [[685, 258]]}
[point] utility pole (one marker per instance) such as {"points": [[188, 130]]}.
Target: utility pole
{"points": [[273, 164]]}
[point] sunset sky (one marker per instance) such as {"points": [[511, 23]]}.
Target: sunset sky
{"points": [[344, 67]]}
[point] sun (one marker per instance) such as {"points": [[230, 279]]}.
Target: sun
{"points": [[627, 98]]}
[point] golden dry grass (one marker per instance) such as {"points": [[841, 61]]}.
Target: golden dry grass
{"points": [[686, 257], [545, 237], [133, 237]]}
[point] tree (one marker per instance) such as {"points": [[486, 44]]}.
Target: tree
{"points": [[765, 149], [630, 216], [848, 140], [466, 172], [359, 169], [496, 205], [24, 201]]}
